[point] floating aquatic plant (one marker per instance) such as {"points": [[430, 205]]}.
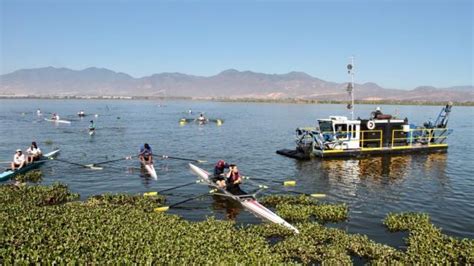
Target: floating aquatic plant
{"points": [[34, 176], [47, 225]]}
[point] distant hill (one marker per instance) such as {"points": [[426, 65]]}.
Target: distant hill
{"points": [[50, 81]]}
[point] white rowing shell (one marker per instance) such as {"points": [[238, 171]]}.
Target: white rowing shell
{"points": [[58, 121], [250, 203]]}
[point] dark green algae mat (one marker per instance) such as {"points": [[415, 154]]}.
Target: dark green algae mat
{"points": [[47, 224]]}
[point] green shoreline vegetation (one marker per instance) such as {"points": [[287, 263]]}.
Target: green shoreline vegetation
{"points": [[243, 100], [48, 224]]}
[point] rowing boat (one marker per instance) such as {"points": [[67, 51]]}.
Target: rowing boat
{"points": [[58, 121], [150, 170], [6, 175], [184, 121], [249, 202], [91, 132]]}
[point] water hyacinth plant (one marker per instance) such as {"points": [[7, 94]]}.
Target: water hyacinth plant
{"points": [[47, 224]]}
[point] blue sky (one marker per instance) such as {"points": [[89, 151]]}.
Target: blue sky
{"points": [[397, 44]]}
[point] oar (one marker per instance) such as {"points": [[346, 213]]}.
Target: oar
{"points": [[287, 183], [154, 193], [314, 195], [165, 208], [92, 167], [182, 159], [111, 161]]}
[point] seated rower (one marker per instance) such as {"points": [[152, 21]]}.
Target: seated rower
{"points": [[234, 180], [146, 154], [202, 119], [34, 153], [91, 126], [18, 160], [218, 176], [55, 116]]}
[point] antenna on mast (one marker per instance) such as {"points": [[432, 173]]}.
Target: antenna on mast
{"points": [[350, 85]]}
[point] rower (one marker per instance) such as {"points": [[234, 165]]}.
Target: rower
{"points": [[91, 126], [218, 176], [233, 181], [55, 116], [38, 112], [190, 111], [201, 118], [81, 113], [34, 153], [146, 154], [18, 160]]}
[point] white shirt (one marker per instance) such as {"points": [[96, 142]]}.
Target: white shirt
{"points": [[18, 159], [33, 151]]}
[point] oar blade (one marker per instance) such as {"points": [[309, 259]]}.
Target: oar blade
{"points": [[162, 209], [150, 194], [289, 183], [318, 195]]}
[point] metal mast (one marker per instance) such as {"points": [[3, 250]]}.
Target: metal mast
{"points": [[350, 86]]}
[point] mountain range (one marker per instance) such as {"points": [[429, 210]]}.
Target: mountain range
{"points": [[51, 81]]}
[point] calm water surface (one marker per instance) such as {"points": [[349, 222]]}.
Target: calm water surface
{"points": [[439, 184]]}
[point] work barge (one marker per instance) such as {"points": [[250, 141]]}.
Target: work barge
{"points": [[380, 134]]}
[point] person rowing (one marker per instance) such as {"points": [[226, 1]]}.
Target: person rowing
{"points": [[91, 127], [18, 160], [38, 112], [81, 113], [234, 180], [146, 154], [33, 152], [55, 116], [202, 119], [218, 176]]}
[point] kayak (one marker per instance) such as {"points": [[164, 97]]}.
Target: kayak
{"points": [[58, 121], [150, 170], [249, 202], [6, 175]]}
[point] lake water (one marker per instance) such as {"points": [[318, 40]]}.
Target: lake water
{"points": [[439, 184]]}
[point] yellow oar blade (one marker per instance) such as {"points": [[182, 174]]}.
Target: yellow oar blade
{"points": [[290, 183], [150, 194], [162, 209], [316, 195]]}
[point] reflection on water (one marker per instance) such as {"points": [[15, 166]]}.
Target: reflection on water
{"points": [[231, 208]]}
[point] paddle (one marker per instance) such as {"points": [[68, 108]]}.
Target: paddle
{"points": [[165, 208], [155, 193], [92, 167], [182, 159]]}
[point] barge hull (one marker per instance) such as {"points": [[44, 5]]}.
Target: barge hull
{"points": [[358, 153]]}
